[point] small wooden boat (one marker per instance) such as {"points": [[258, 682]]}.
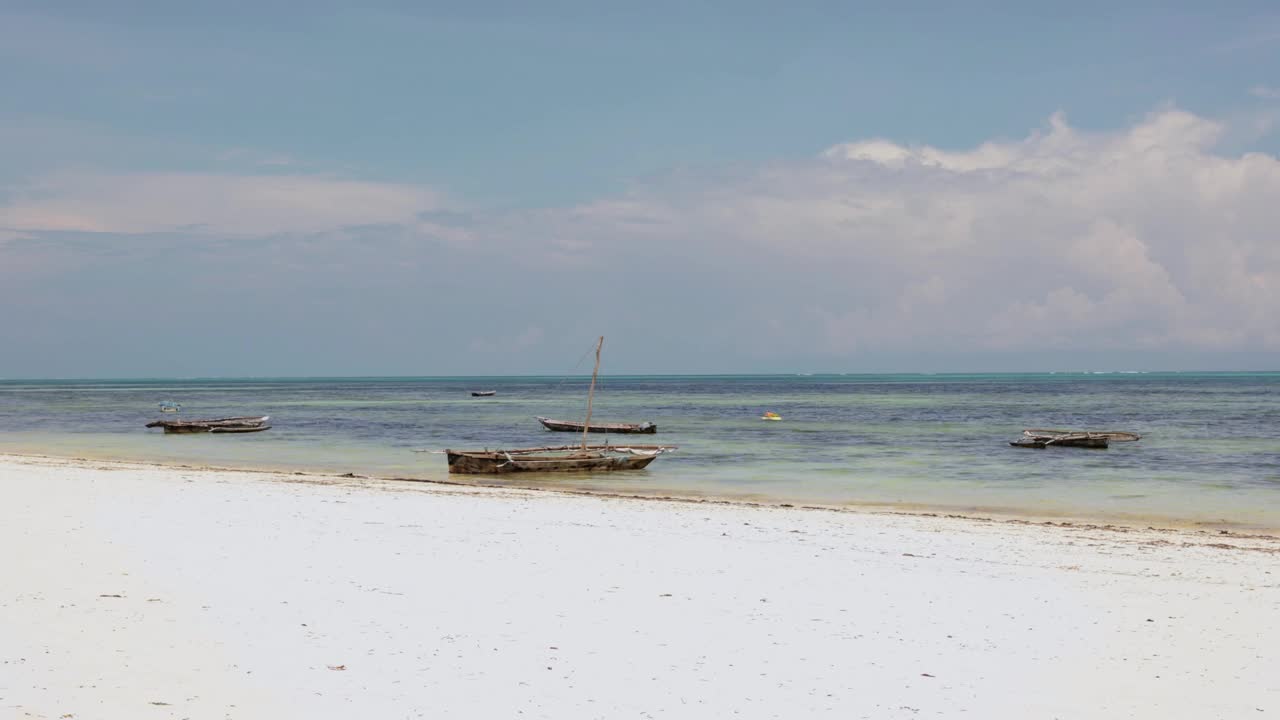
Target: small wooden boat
{"points": [[1112, 435], [573, 426], [168, 406], [1073, 438], [565, 458], [483, 393], [219, 425], [1084, 440], [248, 429]]}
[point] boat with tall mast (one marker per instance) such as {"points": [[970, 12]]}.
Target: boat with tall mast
{"points": [[562, 458]]}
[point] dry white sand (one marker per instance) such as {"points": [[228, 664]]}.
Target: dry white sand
{"points": [[132, 591]]}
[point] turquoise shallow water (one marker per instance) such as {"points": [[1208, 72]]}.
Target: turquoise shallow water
{"points": [[1210, 452]]}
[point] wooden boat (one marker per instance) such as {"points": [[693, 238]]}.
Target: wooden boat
{"points": [[1085, 440], [1112, 435], [771, 416], [573, 426], [1038, 439], [168, 406], [219, 425], [483, 393], [218, 429], [565, 458]]}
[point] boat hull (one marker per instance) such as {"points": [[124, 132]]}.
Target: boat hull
{"points": [[256, 428], [619, 428], [497, 463], [1038, 443], [220, 425]]}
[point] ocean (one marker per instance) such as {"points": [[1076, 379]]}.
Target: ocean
{"points": [[1210, 452]]}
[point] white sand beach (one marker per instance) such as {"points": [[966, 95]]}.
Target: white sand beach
{"points": [[134, 591]]}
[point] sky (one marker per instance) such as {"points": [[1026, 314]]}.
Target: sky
{"points": [[413, 188]]}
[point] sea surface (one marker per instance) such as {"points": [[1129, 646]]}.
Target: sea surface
{"points": [[1210, 452]]}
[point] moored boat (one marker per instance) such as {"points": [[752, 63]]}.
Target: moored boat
{"points": [[483, 393], [1112, 435], [1084, 440], [1039, 438], [219, 429], [1034, 438], [566, 458], [244, 424], [573, 426]]}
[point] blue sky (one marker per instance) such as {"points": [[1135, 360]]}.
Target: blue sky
{"points": [[385, 188]]}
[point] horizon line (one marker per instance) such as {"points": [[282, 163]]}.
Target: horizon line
{"points": [[638, 375]]}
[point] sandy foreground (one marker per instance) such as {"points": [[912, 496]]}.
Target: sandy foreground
{"points": [[134, 591]]}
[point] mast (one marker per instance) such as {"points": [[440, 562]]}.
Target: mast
{"points": [[586, 426]]}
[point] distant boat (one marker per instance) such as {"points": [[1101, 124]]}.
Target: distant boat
{"points": [[1076, 440], [168, 406], [1040, 439], [565, 458], [483, 393], [771, 416], [219, 425], [574, 426], [1112, 435]]}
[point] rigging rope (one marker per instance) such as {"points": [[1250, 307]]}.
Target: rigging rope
{"points": [[585, 355], [557, 390]]}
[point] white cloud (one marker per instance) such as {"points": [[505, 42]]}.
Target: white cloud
{"points": [[1140, 239], [1149, 239], [213, 203]]}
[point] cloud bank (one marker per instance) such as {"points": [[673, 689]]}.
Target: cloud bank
{"points": [[1145, 243], [1137, 240]]}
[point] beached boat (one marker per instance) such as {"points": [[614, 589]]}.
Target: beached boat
{"points": [[220, 425], [565, 458], [574, 426], [483, 393]]}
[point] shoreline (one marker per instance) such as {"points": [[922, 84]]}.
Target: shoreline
{"points": [[1016, 516]]}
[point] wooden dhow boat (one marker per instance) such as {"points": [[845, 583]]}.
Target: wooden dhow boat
{"points": [[574, 426], [1112, 435], [483, 393], [564, 458], [1040, 439], [246, 424]]}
